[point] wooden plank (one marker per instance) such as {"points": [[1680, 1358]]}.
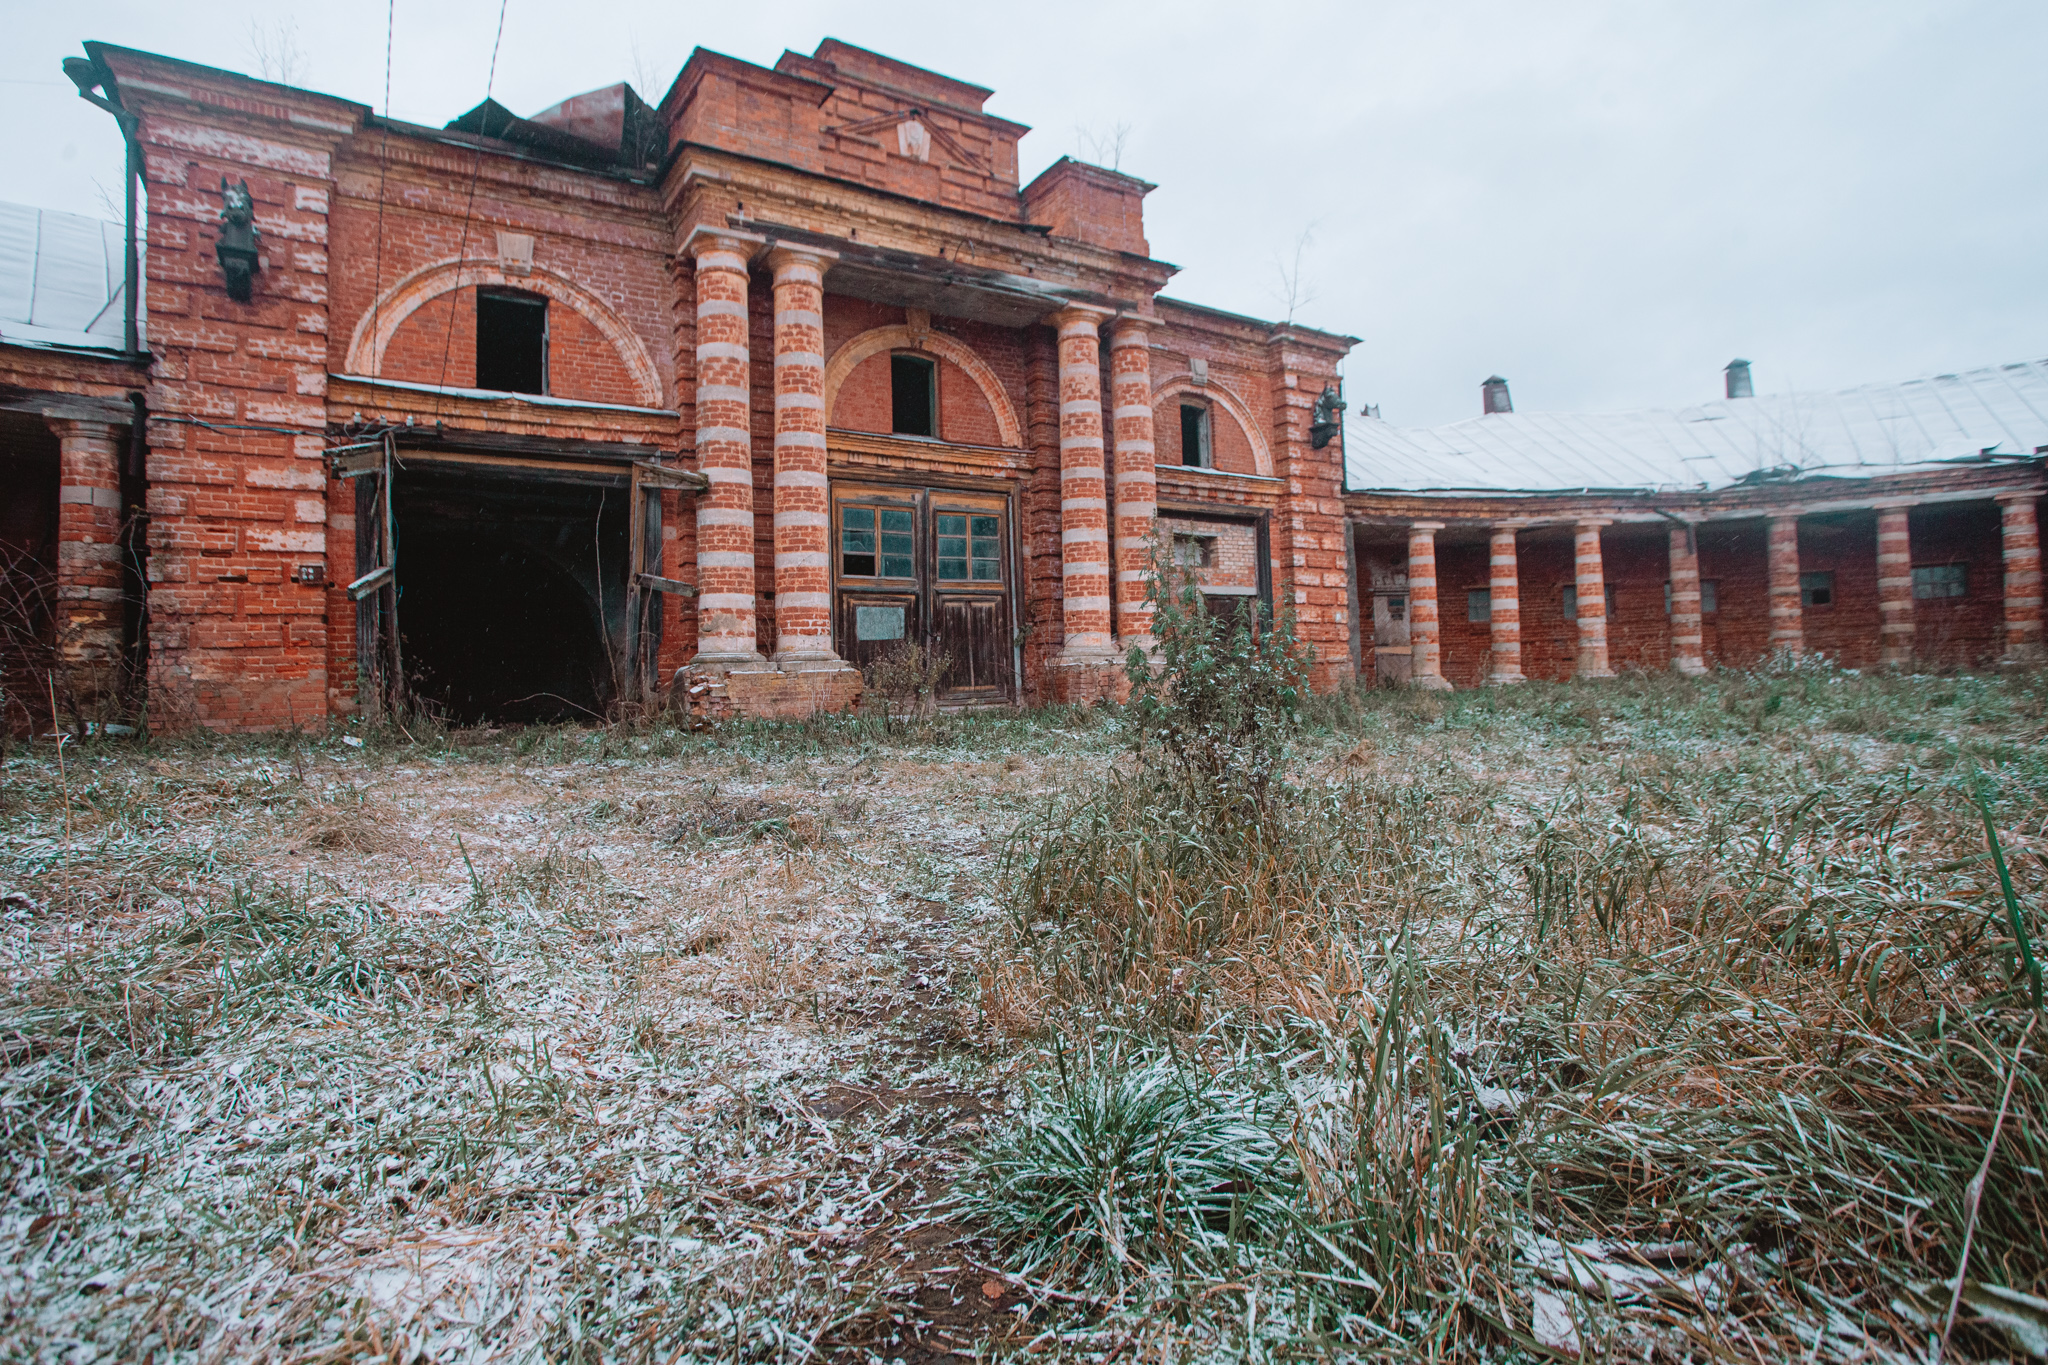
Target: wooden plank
{"points": [[667, 476], [369, 583], [656, 583]]}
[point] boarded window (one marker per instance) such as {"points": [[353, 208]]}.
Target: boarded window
{"points": [[1194, 552], [913, 395], [970, 547], [1194, 436], [1479, 604], [511, 341], [877, 542], [1817, 589], [1932, 582]]}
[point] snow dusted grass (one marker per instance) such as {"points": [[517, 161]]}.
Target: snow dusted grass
{"points": [[1658, 1021], [1649, 1020], [565, 1045]]}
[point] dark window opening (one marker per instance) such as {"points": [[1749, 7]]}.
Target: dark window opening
{"points": [[1935, 581], [511, 342], [1194, 435], [1817, 589], [913, 395], [1479, 606]]}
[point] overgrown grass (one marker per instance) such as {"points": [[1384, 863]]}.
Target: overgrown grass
{"points": [[1660, 1017]]}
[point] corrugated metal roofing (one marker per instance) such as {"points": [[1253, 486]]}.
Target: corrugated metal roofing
{"points": [[60, 279], [1856, 433]]}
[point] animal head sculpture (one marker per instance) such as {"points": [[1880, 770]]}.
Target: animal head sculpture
{"points": [[236, 249]]}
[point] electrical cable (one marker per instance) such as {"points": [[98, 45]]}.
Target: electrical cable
{"points": [[383, 168], [462, 251]]}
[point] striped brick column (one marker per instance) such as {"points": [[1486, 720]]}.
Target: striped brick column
{"points": [[725, 453], [1589, 576], [1894, 586], [1504, 607], [1084, 502], [88, 558], [1688, 628], [1425, 657], [1788, 628], [2022, 536], [803, 580], [1137, 486]]}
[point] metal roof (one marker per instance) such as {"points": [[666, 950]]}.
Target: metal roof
{"points": [[60, 279], [1864, 432]]}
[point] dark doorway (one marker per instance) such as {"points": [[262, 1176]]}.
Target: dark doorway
{"points": [[511, 590], [28, 567]]}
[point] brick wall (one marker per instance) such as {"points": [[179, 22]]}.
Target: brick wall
{"points": [[1234, 550], [1965, 632]]}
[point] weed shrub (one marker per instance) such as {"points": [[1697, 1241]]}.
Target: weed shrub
{"points": [[1668, 1019]]}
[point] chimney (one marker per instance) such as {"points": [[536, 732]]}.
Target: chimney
{"points": [[1738, 379], [1493, 395]]}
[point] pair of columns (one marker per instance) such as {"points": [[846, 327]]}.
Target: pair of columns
{"points": [[1504, 606], [1088, 591], [726, 626], [2021, 545], [802, 502]]}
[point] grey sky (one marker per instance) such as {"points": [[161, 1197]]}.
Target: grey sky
{"points": [[1603, 202]]}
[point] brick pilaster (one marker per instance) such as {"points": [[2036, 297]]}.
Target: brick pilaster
{"points": [[1504, 607], [1894, 585], [1084, 504], [725, 513], [1137, 485], [2021, 535], [1788, 625], [803, 580], [1425, 658], [1589, 575], [88, 559], [1688, 624]]}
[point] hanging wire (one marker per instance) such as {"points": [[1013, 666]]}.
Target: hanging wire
{"points": [[383, 167], [462, 251]]}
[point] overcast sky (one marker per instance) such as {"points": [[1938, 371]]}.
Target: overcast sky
{"points": [[1603, 202]]}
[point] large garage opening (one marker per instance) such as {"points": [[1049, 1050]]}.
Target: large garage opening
{"points": [[28, 569], [511, 589]]}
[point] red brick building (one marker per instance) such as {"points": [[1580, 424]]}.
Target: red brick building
{"points": [[756, 381], [1891, 525]]}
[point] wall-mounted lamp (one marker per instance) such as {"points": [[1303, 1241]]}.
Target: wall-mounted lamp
{"points": [[238, 239]]}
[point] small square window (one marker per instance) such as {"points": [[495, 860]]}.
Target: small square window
{"points": [[1817, 589], [1194, 436], [876, 542], [968, 548], [1397, 608], [914, 395], [1932, 582], [1479, 605]]}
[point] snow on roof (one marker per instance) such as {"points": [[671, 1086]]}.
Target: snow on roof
{"points": [[60, 279], [1856, 433]]}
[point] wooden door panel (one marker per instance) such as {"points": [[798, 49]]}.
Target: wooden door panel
{"points": [[975, 632], [873, 623]]}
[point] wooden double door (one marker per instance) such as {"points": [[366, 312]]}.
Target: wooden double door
{"points": [[930, 566]]}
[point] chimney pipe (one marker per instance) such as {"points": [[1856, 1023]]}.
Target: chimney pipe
{"points": [[1493, 395], [1738, 379]]}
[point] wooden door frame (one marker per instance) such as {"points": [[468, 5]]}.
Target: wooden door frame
{"points": [[920, 488]]}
